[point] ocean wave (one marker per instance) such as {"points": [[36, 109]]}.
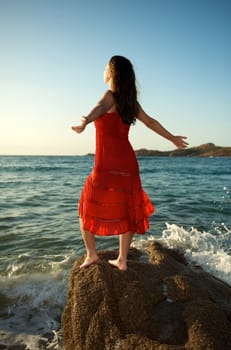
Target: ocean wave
{"points": [[202, 248]]}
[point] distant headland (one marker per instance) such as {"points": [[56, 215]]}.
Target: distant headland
{"points": [[205, 150]]}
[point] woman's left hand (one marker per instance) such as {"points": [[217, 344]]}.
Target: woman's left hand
{"points": [[179, 142]]}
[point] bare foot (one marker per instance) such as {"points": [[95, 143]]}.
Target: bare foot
{"points": [[121, 265], [88, 261]]}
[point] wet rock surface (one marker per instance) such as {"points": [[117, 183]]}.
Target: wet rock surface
{"points": [[160, 303]]}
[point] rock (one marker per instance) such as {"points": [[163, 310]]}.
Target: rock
{"points": [[205, 150], [160, 304]]}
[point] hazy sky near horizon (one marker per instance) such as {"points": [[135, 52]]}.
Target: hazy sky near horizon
{"points": [[53, 54]]}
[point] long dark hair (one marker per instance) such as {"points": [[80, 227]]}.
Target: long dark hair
{"points": [[124, 88]]}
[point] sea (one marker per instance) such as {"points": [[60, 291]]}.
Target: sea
{"points": [[40, 237]]}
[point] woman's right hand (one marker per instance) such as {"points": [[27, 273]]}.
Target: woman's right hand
{"points": [[80, 128]]}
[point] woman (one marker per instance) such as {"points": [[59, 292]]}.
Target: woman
{"points": [[112, 201]]}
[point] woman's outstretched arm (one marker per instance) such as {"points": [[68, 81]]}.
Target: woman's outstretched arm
{"points": [[154, 125], [104, 105]]}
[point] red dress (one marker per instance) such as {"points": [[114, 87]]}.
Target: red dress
{"points": [[112, 200]]}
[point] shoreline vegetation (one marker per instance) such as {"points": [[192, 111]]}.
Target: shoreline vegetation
{"points": [[205, 150]]}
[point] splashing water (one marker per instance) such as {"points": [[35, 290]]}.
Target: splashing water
{"points": [[202, 248]]}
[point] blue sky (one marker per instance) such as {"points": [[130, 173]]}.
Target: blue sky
{"points": [[52, 60]]}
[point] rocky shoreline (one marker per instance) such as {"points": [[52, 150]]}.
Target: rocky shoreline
{"points": [[205, 150], [160, 303]]}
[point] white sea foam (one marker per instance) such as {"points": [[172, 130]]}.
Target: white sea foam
{"points": [[48, 341], [33, 301], [35, 304], [202, 248]]}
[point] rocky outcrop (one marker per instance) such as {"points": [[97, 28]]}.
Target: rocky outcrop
{"points": [[205, 150], [159, 303]]}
